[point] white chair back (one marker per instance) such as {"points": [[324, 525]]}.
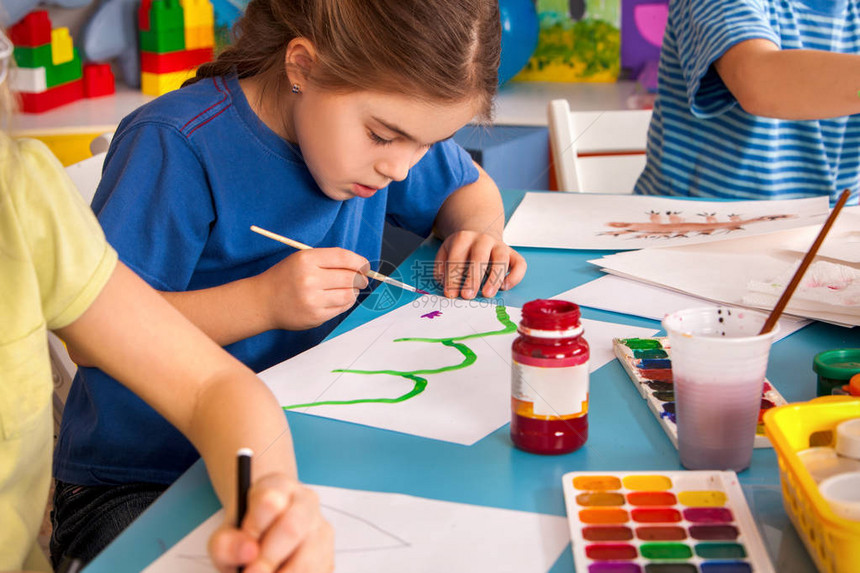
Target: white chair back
{"points": [[597, 152], [86, 175]]}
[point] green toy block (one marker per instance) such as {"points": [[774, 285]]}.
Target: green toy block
{"points": [[165, 15], [65, 72], [38, 57], [162, 42]]}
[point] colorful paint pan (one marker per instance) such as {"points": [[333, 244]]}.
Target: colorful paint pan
{"points": [[648, 362], [662, 522]]}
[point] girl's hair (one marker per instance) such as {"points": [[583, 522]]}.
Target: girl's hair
{"points": [[439, 50]]}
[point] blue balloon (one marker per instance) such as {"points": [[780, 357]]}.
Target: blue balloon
{"points": [[519, 36]]}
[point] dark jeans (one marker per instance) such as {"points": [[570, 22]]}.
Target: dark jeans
{"points": [[87, 518]]}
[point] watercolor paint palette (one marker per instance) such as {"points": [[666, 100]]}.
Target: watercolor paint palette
{"points": [[662, 522], [649, 365]]}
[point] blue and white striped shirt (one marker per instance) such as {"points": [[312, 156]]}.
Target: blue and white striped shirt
{"points": [[702, 144]]}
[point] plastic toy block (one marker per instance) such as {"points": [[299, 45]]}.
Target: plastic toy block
{"points": [[28, 80], [198, 13], [159, 84], [192, 38], [166, 15], [143, 15], [199, 37], [38, 57], [98, 80], [162, 42], [52, 98], [61, 46], [64, 73], [32, 31], [174, 61]]}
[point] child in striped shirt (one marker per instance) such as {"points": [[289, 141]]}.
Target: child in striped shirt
{"points": [[756, 100]]}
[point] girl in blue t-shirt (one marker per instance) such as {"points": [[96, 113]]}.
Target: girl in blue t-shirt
{"points": [[757, 99], [58, 273], [322, 121]]}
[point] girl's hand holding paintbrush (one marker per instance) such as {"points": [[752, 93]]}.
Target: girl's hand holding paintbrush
{"points": [[311, 286]]}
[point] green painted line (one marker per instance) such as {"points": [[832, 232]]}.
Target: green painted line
{"points": [[420, 384], [469, 358]]}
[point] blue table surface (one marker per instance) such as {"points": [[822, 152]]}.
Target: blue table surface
{"points": [[623, 436]]}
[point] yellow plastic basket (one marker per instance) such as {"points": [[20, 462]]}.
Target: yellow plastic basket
{"points": [[833, 542]]}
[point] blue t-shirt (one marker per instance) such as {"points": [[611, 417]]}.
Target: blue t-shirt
{"points": [[701, 143], [185, 178]]}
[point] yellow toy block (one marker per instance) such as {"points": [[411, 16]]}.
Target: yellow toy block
{"points": [[159, 84], [199, 37], [198, 13], [61, 46], [192, 37], [207, 36]]}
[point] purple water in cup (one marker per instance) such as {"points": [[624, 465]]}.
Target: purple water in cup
{"points": [[719, 363]]}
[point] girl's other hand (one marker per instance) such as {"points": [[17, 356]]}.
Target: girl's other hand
{"points": [[468, 258], [310, 287], [283, 531]]}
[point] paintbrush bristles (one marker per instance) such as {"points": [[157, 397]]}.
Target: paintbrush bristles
{"points": [[303, 247], [804, 264]]}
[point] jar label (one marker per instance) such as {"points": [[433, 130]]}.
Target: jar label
{"points": [[551, 392]]}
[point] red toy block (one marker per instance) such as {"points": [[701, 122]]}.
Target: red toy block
{"points": [[143, 15], [51, 98], [174, 61], [98, 80], [33, 31]]}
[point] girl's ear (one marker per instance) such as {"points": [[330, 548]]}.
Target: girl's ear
{"points": [[299, 59]]}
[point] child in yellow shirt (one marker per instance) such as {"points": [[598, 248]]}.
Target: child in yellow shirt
{"points": [[57, 272]]}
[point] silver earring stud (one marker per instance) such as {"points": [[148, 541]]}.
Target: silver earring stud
{"points": [[296, 89]]}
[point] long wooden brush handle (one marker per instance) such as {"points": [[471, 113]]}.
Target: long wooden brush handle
{"points": [[303, 247], [804, 264]]}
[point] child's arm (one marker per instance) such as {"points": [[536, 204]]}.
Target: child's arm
{"points": [[791, 84], [215, 401], [302, 291], [471, 222]]}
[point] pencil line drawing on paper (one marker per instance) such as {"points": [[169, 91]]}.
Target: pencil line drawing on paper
{"points": [[672, 224], [418, 376], [396, 542], [365, 536]]}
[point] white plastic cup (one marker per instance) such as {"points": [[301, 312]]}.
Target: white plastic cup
{"points": [[842, 492], [824, 462], [848, 439], [719, 362]]}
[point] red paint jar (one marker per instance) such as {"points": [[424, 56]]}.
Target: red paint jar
{"points": [[549, 379]]}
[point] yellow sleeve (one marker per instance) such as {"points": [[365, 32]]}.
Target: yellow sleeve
{"points": [[72, 258]]}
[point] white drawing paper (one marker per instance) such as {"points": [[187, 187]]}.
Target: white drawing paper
{"points": [[824, 285], [725, 271], [385, 532], [618, 222], [842, 243], [628, 296], [449, 381]]}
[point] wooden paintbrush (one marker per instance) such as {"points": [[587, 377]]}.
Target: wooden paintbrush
{"points": [[804, 264], [303, 247]]}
